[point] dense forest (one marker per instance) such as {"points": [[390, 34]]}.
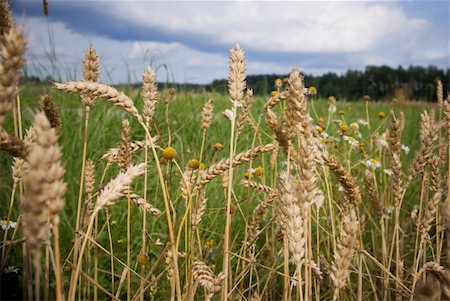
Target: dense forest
{"points": [[379, 82]]}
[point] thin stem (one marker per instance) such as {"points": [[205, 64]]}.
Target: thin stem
{"points": [[226, 254], [58, 270], [167, 209], [5, 235], [128, 244], [73, 280]]}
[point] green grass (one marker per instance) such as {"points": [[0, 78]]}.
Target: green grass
{"points": [[184, 118]]}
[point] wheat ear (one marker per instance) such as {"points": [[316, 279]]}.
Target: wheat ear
{"points": [[44, 193], [91, 72], [340, 269], [149, 94], [117, 187], [48, 106], [12, 145], [224, 164], [351, 189], [292, 217], [101, 90], [12, 55], [204, 275], [7, 21], [428, 136]]}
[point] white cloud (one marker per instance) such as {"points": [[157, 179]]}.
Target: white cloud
{"points": [[279, 26], [309, 35]]}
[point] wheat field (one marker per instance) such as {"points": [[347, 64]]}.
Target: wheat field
{"points": [[127, 193]]}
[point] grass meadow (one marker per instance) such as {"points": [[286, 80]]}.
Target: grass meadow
{"points": [[128, 193]]}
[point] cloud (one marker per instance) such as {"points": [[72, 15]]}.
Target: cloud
{"points": [[189, 41]]}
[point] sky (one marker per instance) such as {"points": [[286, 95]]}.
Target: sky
{"points": [[189, 41]]}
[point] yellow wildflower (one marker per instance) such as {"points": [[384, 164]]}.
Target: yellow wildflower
{"points": [[344, 127], [194, 164], [142, 259], [259, 171], [169, 153], [278, 83], [218, 146]]}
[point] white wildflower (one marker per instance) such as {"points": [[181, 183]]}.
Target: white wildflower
{"points": [[381, 142], [6, 224], [332, 108], [10, 269], [363, 122], [229, 114], [352, 141], [405, 149], [388, 172], [373, 163]]}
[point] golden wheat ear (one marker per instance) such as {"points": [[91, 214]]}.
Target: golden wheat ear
{"points": [[12, 56]]}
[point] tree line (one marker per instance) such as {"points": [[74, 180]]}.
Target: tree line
{"points": [[379, 82]]}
